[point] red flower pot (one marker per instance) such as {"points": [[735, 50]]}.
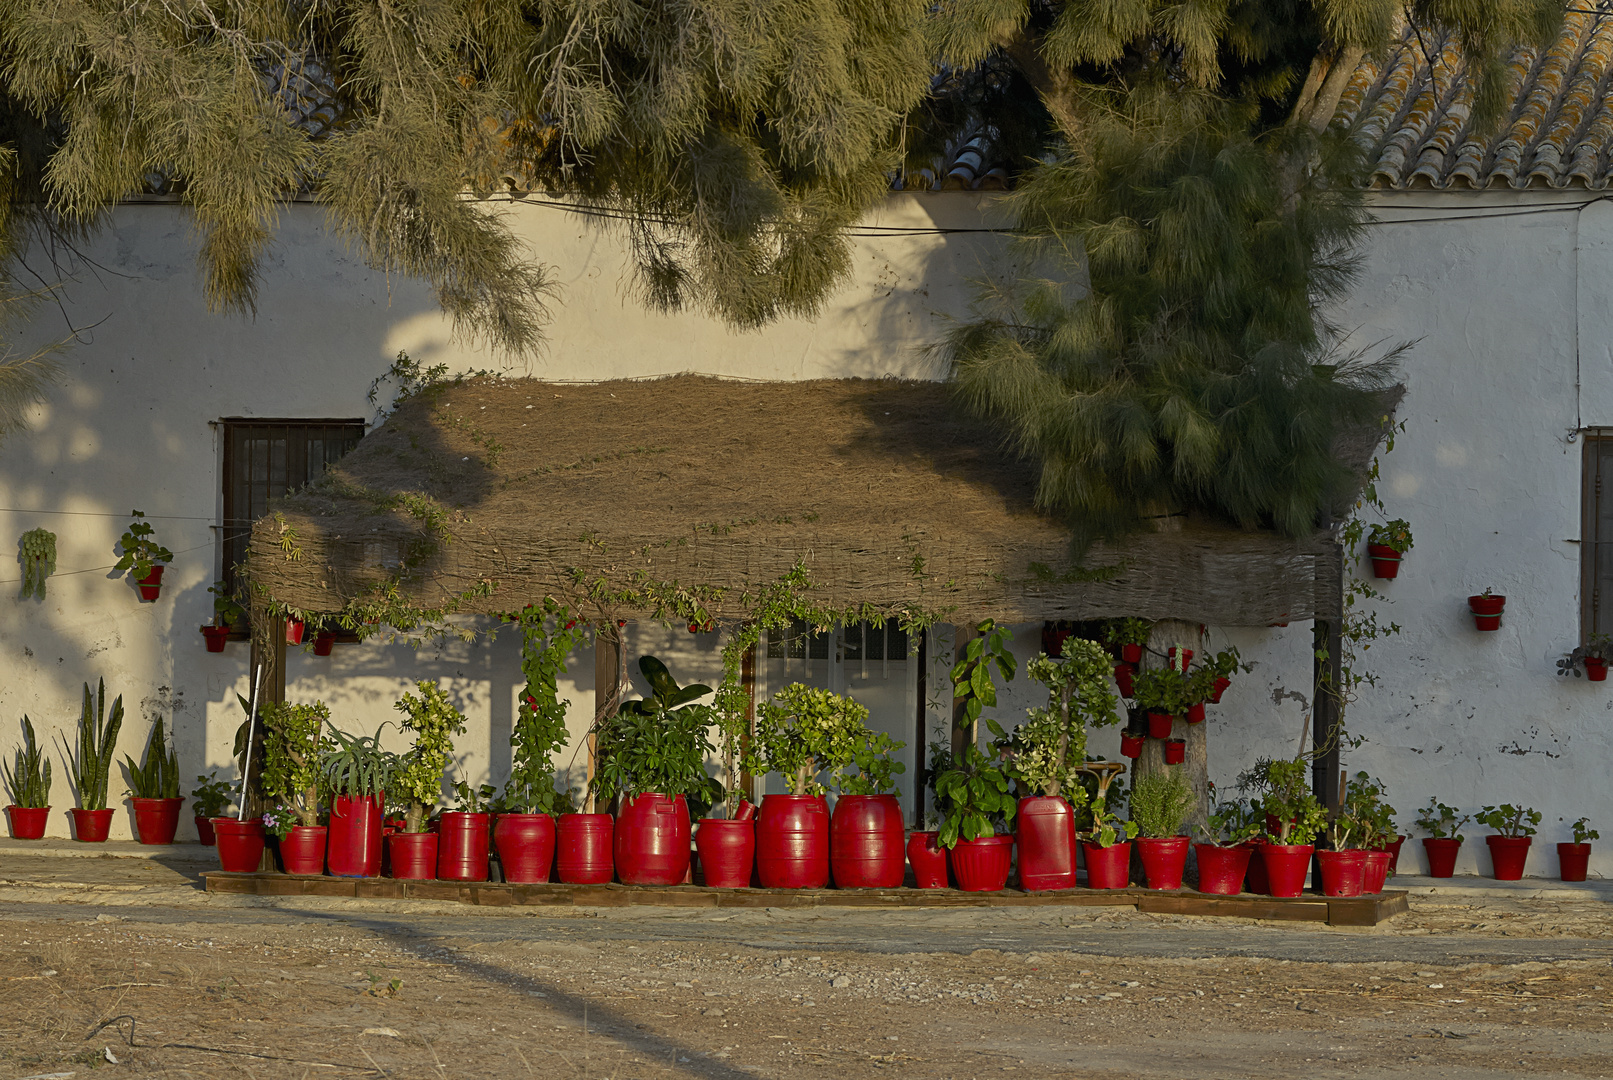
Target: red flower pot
{"points": [[1507, 855], [1195, 713], [462, 841], [792, 842], [1255, 880], [151, 584], [583, 848], [1220, 687], [1377, 871], [1131, 654], [413, 855], [1175, 751], [1343, 872], [1163, 860], [302, 850], [1131, 745], [217, 637], [28, 822], [1393, 848], [929, 860], [652, 840], [240, 844], [1179, 658], [1441, 855], [1159, 725], [865, 842], [1486, 611], [353, 846], [322, 643], [525, 845], [1046, 843], [982, 865], [1385, 561], [1573, 859], [156, 820], [1221, 869], [1287, 866], [1595, 669], [1107, 867], [91, 826], [1053, 640], [204, 832], [1123, 679], [294, 631], [727, 849]]}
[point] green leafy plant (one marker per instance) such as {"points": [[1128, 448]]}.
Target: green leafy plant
{"points": [[38, 557], [1509, 820], [657, 744], [973, 795], [434, 722], [1289, 799], [475, 800], [1117, 632], [157, 775], [1583, 833], [1596, 647], [227, 611], [1234, 822], [1107, 829], [876, 768], [294, 741], [1160, 802], [211, 795], [1364, 820], [1394, 534], [802, 731], [1164, 690], [548, 635], [1441, 821], [29, 781], [141, 552], [91, 766], [972, 681], [356, 766], [1047, 749]]}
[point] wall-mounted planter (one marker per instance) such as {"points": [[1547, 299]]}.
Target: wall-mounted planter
{"points": [[1175, 751], [1487, 611], [151, 584], [1123, 679], [1195, 713], [216, 637], [1221, 685], [1179, 657], [1385, 561], [1159, 725], [1131, 654], [1595, 669], [294, 631], [1131, 746], [322, 643]]}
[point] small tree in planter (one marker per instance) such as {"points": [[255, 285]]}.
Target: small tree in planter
{"points": [[1128, 638], [1365, 823], [143, 558], [1442, 824], [1593, 656], [973, 686], [1573, 859], [866, 834], [293, 741], [1164, 693], [973, 794], [1160, 803], [154, 785], [29, 786], [356, 770], [433, 721], [1223, 855], [91, 766], [1514, 832], [1293, 818], [1387, 544]]}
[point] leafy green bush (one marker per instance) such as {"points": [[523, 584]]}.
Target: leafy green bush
{"points": [[1234, 822], [801, 731], [974, 794], [1047, 749], [876, 768], [211, 795], [1440, 821], [659, 743], [1160, 802], [1509, 820], [1288, 799], [434, 722]]}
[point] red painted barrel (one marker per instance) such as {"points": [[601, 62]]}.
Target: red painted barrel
{"points": [[525, 846], [1221, 869], [1046, 843], [240, 844], [156, 820], [865, 842], [1163, 859], [727, 851], [792, 842], [583, 845], [462, 846], [929, 860], [652, 840], [354, 842], [413, 855], [302, 850]]}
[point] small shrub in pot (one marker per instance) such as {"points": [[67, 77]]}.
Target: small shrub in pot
{"points": [[1443, 825], [1514, 832], [1573, 859], [1160, 803], [1298, 817]]}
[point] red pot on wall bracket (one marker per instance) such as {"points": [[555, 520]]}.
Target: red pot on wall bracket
{"points": [[1221, 685], [1195, 713], [1123, 674], [151, 584], [1131, 746], [1180, 658], [294, 630], [1385, 561], [1595, 669], [1486, 611], [1175, 751], [1159, 725], [1131, 654], [322, 642], [217, 637]]}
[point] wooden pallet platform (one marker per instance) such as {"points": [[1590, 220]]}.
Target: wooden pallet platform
{"points": [[1350, 911]]}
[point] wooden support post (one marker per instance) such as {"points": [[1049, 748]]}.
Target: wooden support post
{"points": [[1327, 698], [962, 734], [269, 650], [747, 680], [1195, 768], [920, 725], [607, 694]]}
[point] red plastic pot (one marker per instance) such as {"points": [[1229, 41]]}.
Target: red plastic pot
{"points": [[294, 631], [1574, 860], [1486, 611], [462, 841], [1123, 679], [1441, 855], [1385, 561], [1131, 745], [1131, 654], [1220, 687], [1343, 872], [322, 643], [1221, 869], [652, 840], [354, 843], [1377, 871], [156, 820], [1046, 843], [151, 584], [302, 850], [1507, 855], [745, 811], [412, 855], [929, 860], [525, 845], [1393, 848], [1163, 860], [1107, 867], [217, 637], [1179, 658], [28, 822], [792, 842], [240, 844], [91, 826], [1053, 639], [204, 832], [1159, 725], [1175, 751], [1595, 669], [727, 849], [982, 865], [1255, 880], [1195, 713], [1287, 866], [583, 848], [865, 842]]}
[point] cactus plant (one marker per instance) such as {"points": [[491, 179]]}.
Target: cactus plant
{"points": [[97, 736], [29, 783], [157, 777]]}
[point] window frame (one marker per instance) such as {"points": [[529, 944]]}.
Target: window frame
{"points": [[1594, 441]]}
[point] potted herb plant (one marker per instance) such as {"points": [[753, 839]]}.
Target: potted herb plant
{"points": [[1160, 803], [1299, 817], [1107, 848], [294, 740], [1128, 638], [143, 559], [226, 614], [972, 795], [356, 770], [1387, 545], [1593, 656], [1443, 841], [1574, 859], [207, 801], [29, 786], [91, 766], [1165, 693], [417, 782], [154, 785], [1509, 844], [1486, 608], [866, 835], [1223, 856]]}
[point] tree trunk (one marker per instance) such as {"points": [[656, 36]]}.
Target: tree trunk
{"points": [[1196, 768]]}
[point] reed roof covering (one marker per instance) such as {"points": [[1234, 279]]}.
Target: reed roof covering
{"points": [[893, 503]]}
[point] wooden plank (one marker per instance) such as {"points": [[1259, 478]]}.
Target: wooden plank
{"points": [[1365, 910], [492, 895], [679, 896], [542, 895], [437, 890], [1262, 907], [379, 888]]}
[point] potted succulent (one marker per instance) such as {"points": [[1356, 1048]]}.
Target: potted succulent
{"points": [[38, 557], [154, 785], [1298, 817], [1593, 656], [1107, 849], [293, 741], [208, 800], [227, 612], [1387, 544], [416, 852], [91, 767], [1486, 608], [1160, 803], [1443, 841], [356, 771], [652, 754], [143, 559], [865, 831], [1574, 858], [970, 795], [1509, 844], [29, 787], [1223, 855]]}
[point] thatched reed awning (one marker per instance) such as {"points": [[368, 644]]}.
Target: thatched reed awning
{"points": [[891, 502]]}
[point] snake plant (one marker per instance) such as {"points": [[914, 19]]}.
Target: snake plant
{"points": [[97, 736], [158, 776], [29, 782]]}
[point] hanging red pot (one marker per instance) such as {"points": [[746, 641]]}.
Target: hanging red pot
{"points": [[525, 845], [1046, 843], [462, 846], [1175, 751], [323, 642], [302, 850], [1163, 861], [1107, 867], [1053, 639], [294, 631], [204, 832], [1220, 687], [583, 848], [982, 865], [792, 842], [1179, 657], [91, 826], [353, 845], [28, 822], [652, 840], [1195, 713], [1441, 855], [151, 584], [1595, 669], [1255, 880], [1131, 746], [727, 849], [1385, 561], [1287, 866], [1221, 869], [1507, 856], [1377, 872], [156, 820], [865, 842], [1123, 680], [1487, 611], [1159, 725], [217, 637], [1573, 861], [1343, 872], [929, 860], [240, 844], [413, 856], [1131, 654]]}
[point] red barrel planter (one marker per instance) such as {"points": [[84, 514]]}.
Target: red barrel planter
{"points": [[156, 821], [1163, 861], [652, 840], [1107, 867], [865, 842], [240, 844], [28, 822], [1123, 679], [216, 637], [1507, 856], [204, 832], [1385, 561], [412, 855], [462, 842], [928, 859], [1046, 843], [1595, 669], [151, 584], [1131, 654], [354, 841], [792, 842], [1220, 687], [1195, 713], [583, 848], [1343, 872], [1175, 751], [727, 849], [1221, 869], [1441, 855], [302, 850], [1159, 725], [1486, 611], [1286, 867], [982, 865], [91, 826], [525, 845], [1131, 746], [1377, 871], [1573, 861]]}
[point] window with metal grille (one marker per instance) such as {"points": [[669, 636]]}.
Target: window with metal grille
{"points": [[1596, 536]]}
